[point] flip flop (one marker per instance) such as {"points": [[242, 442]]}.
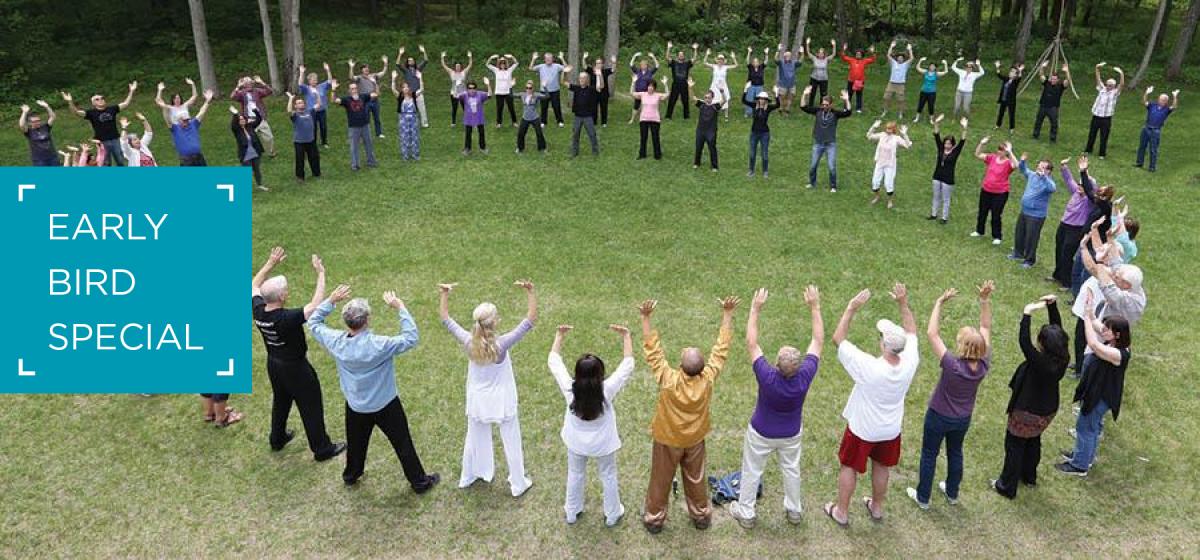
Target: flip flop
{"points": [[829, 511], [867, 501]]}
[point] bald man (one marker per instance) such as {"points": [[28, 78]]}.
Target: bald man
{"points": [[681, 419]]}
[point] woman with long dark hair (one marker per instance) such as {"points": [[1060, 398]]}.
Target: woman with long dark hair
{"points": [[1034, 400], [249, 146], [590, 422]]}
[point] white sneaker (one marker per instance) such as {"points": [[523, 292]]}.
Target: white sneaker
{"points": [[382, 136], [949, 500], [745, 522], [794, 517], [808, 186], [996, 242], [912, 493], [975, 234], [613, 522]]}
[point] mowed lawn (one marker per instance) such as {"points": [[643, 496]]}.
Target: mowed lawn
{"points": [[124, 475]]}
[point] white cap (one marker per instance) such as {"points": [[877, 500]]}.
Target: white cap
{"points": [[762, 95], [894, 338]]}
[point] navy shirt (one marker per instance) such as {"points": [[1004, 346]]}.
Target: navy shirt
{"points": [[302, 123], [1156, 115], [356, 109]]}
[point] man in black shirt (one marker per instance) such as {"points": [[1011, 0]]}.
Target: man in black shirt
{"points": [[584, 98], [1006, 101], [680, 68], [1052, 92], [706, 124], [293, 379], [103, 118], [824, 134]]}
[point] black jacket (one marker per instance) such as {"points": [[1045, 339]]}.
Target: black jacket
{"points": [[243, 139], [1035, 383]]}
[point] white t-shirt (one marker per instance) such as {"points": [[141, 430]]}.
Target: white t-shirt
{"points": [[966, 80], [504, 79], [597, 437], [875, 409]]}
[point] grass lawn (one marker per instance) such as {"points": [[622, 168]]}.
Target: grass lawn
{"points": [[101, 476]]}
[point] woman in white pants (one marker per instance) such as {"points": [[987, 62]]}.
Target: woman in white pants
{"points": [[491, 390], [720, 86], [966, 85], [885, 157], [590, 423]]}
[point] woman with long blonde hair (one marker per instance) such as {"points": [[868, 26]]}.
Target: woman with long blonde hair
{"points": [[491, 389]]}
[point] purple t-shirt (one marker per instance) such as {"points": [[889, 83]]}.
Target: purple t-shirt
{"points": [[777, 413], [473, 107], [954, 395]]}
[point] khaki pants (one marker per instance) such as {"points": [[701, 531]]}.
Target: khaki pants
{"points": [[664, 461], [267, 137]]}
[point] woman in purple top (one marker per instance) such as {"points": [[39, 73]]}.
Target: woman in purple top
{"points": [[1074, 224], [472, 101], [953, 400], [776, 424]]}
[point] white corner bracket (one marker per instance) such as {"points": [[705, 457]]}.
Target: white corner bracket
{"points": [[227, 188], [21, 371], [226, 372], [22, 188]]}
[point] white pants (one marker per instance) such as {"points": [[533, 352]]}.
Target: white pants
{"points": [[478, 461], [754, 459], [721, 90], [962, 102], [885, 175], [606, 467], [421, 109]]}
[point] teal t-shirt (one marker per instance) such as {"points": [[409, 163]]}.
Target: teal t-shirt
{"points": [[929, 82]]}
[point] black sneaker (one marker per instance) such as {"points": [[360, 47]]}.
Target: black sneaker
{"points": [[287, 436], [945, 221], [931, 217], [431, 480], [1068, 468], [337, 449]]}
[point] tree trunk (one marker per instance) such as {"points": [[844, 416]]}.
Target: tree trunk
{"points": [[1166, 18], [612, 38], [1024, 34], [714, 10], [1155, 31], [293, 41], [1087, 13], [421, 14], [1183, 42], [272, 64], [801, 22], [208, 76], [839, 16], [1044, 13], [785, 23], [573, 33], [974, 17], [929, 19]]}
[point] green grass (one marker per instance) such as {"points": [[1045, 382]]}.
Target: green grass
{"points": [[130, 476]]}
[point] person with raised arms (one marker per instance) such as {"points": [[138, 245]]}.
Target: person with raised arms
{"points": [[585, 98], [367, 372], [249, 94], [966, 85], [293, 379], [1156, 117], [643, 76], [682, 419], [491, 388], [1006, 101], [1074, 223], [503, 72], [1107, 92], [368, 83], [706, 124], [357, 131], [649, 120], [549, 73], [178, 106], [304, 136], [760, 131], [887, 144], [413, 72], [785, 78], [777, 424], [590, 422], [948, 150], [315, 94], [185, 133], [137, 148], [894, 94], [681, 68], [1035, 204], [600, 73], [819, 76], [249, 145], [473, 102], [530, 119], [929, 80], [103, 118], [825, 121], [874, 412], [856, 77], [38, 133], [993, 196], [407, 119], [756, 78], [458, 83], [720, 77], [1050, 100]]}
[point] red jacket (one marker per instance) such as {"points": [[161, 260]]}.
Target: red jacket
{"points": [[858, 67]]}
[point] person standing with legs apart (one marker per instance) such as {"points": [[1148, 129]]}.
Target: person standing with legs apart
{"points": [[413, 72], [137, 148], [1107, 92], [530, 118], [649, 120], [458, 84], [887, 143], [893, 94], [249, 146], [473, 102], [776, 425], [103, 118], [293, 379], [720, 78], [756, 78], [590, 423], [1074, 223], [953, 400], [366, 369], [1156, 117], [550, 73], [178, 105], [856, 78], [874, 412], [760, 131], [785, 78], [948, 150], [585, 97], [304, 137], [1035, 203], [250, 93], [819, 77], [681, 68], [601, 74], [682, 419], [643, 76], [929, 80], [966, 85], [994, 193], [315, 95], [368, 83], [37, 132], [186, 135], [355, 105], [491, 389], [503, 71], [1007, 100], [706, 125], [406, 120], [1052, 92], [825, 121], [1034, 400]]}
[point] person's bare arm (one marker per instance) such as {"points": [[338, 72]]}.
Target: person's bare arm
{"points": [[71, 104], [318, 291], [21, 124], [444, 299], [933, 332], [1099, 80], [1121, 73], [1102, 350], [208, 95], [979, 152], [124, 104], [900, 294], [812, 297], [158, 98], [985, 310], [192, 84], [1174, 100], [843, 326], [559, 334], [752, 347], [277, 255], [382, 71]]}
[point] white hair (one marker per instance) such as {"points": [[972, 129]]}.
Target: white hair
{"points": [[356, 313], [1132, 274], [274, 289]]}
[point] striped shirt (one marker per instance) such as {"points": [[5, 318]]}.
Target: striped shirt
{"points": [[1106, 101]]}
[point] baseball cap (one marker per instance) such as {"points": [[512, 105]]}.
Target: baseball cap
{"points": [[762, 95], [893, 337]]}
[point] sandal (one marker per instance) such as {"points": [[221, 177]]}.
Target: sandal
{"points": [[210, 417], [867, 501], [829, 511], [231, 417]]}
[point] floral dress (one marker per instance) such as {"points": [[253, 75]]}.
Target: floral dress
{"points": [[410, 131]]}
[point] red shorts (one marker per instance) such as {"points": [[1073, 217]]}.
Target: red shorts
{"points": [[855, 452]]}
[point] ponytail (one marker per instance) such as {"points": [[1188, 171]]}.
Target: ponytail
{"points": [[483, 349]]}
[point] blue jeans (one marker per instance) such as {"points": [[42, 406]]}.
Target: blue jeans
{"points": [[830, 152], [1087, 435], [1079, 274], [356, 135], [937, 428], [373, 108], [1150, 139], [757, 139], [750, 95]]}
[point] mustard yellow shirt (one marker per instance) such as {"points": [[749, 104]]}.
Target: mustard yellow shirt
{"points": [[681, 418]]}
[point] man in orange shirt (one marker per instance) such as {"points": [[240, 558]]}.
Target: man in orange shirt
{"points": [[681, 419], [856, 80]]}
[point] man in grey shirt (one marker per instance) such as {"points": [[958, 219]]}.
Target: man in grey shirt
{"points": [[368, 83], [548, 73], [411, 69]]}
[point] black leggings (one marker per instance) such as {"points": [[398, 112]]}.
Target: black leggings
{"points": [[467, 137], [821, 86], [319, 116], [552, 99], [1012, 114], [254, 165], [926, 98], [678, 94], [857, 95], [604, 108], [309, 151], [455, 103], [991, 203], [650, 128], [536, 125], [1021, 458], [501, 102]]}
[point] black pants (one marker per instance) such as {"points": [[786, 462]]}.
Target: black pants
{"points": [[1012, 114], [1066, 245], [373, 108], [604, 108], [552, 100], [926, 98], [394, 424], [309, 151], [1100, 125], [991, 203], [706, 138], [537, 128], [857, 95], [1080, 344], [467, 136], [821, 86], [319, 117], [650, 128], [295, 381], [678, 92], [1043, 114], [1021, 458], [503, 101], [192, 160], [256, 167], [455, 104], [1026, 237]]}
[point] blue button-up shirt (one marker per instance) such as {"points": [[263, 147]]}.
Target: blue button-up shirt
{"points": [[1036, 200], [364, 360]]}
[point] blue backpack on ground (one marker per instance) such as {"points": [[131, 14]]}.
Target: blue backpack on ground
{"points": [[725, 489]]}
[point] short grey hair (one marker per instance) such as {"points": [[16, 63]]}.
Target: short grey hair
{"points": [[356, 313], [274, 289]]}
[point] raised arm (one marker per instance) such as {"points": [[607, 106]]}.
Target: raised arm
{"points": [[531, 304], [1097, 344], [985, 310], [192, 84], [158, 99], [899, 293], [1099, 80], [21, 124], [133, 87], [979, 152], [843, 326], [408, 336], [442, 59], [1117, 69], [316, 321], [752, 347], [933, 332], [812, 297], [318, 291], [382, 71], [71, 104], [277, 255], [1174, 101], [208, 95], [720, 350]]}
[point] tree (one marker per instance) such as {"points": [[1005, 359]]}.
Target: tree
{"points": [[974, 17], [1184, 42], [785, 22], [801, 23], [1154, 33], [293, 42], [839, 15], [573, 31], [208, 75], [714, 10], [612, 39], [1024, 33], [272, 65], [929, 19]]}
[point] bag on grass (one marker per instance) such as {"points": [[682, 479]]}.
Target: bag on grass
{"points": [[725, 489]]}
